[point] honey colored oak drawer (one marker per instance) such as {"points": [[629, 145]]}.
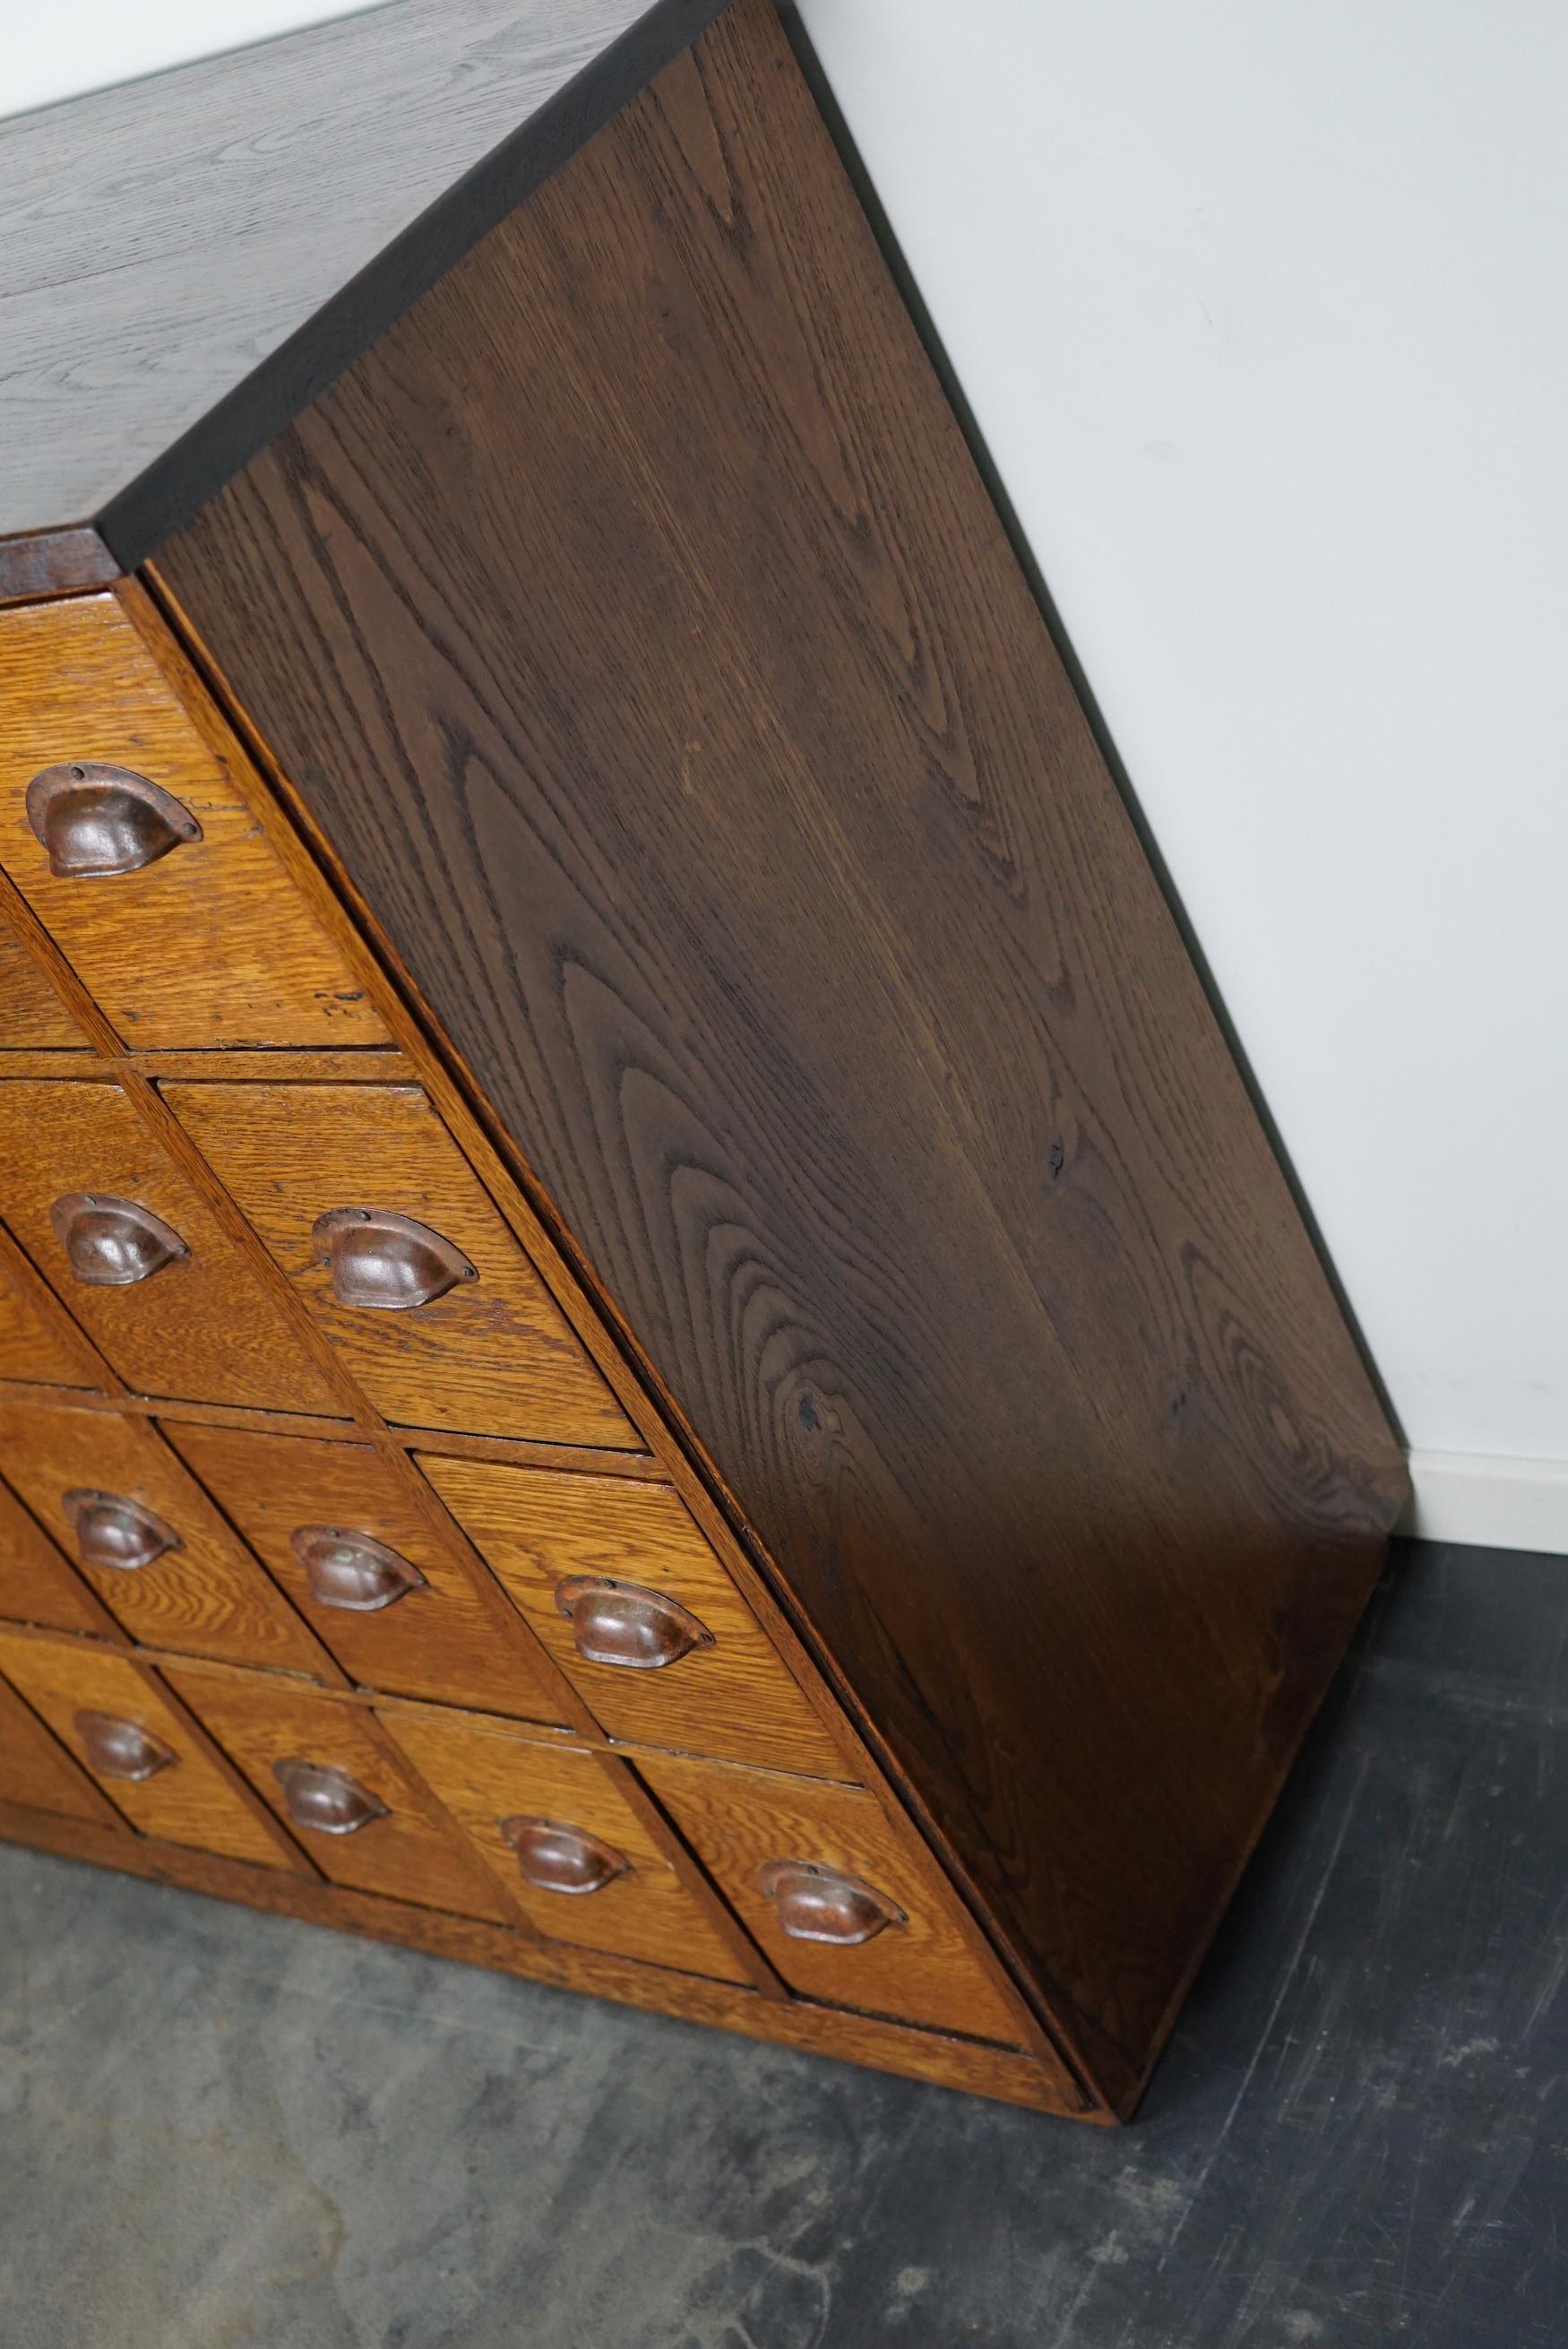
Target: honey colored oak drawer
{"points": [[37, 1584], [140, 855], [31, 1015], [37, 1341], [139, 1749], [147, 1539], [137, 1257], [850, 1910], [632, 1601], [395, 1597], [434, 1306], [334, 1778], [36, 1771], [554, 1828]]}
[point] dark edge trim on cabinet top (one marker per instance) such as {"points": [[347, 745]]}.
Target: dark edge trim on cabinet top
{"points": [[137, 521], [38, 564]]}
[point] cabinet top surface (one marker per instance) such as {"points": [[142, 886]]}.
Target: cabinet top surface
{"points": [[189, 257]]}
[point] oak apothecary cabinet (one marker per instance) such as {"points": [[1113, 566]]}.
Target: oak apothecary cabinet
{"points": [[645, 1332]]}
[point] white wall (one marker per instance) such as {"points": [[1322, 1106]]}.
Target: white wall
{"points": [[1262, 313]]}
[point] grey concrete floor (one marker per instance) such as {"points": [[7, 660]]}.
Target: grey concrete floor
{"points": [[217, 2128]]}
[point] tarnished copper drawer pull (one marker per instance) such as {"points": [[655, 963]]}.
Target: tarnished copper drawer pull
{"points": [[385, 1263], [620, 1623], [115, 1533], [122, 1749], [556, 1857], [326, 1800], [816, 1904], [352, 1571], [95, 821], [113, 1243]]}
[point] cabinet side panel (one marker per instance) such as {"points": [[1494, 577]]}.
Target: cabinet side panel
{"points": [[632, 620]]}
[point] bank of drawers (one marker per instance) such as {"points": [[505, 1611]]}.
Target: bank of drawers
{"points": [[490, 1353], [524, 1693], [334, 1560], [208, 943], [501, 1821], [37, 1773], [846, 1908], [114, 1717]]}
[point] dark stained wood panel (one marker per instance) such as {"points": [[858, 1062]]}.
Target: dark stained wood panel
{"points": [[52, 562], [634, 622]]}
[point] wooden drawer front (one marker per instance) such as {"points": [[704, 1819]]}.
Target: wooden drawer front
{"points": [[544, 1532], [186, 1798], [209, 943], [201, 1326], [207, 1595], [923, 1970], [363, 1818], [38, 1341], [451, 1636], [492, 1355], [36, 1771], [31, 1014], [37, 1584], [488, 1775]]}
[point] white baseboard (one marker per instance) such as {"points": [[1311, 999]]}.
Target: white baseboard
{"points": [[1482, 1496]]}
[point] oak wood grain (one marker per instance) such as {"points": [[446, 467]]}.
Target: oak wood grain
{"points": [[456, 1638], [414, 1853], [193, 1800], [31, 1013], [485, 1776], [493, 1355], [207, 1597], [37, 1771], [932, 2057], [279, 1066], [210, 945], [203, 1326], [23, 922], [668, 685], [923, 1970], [37, 1582], [735, 1697], [635, 1466], [583, 1733], [38, 1339]]}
